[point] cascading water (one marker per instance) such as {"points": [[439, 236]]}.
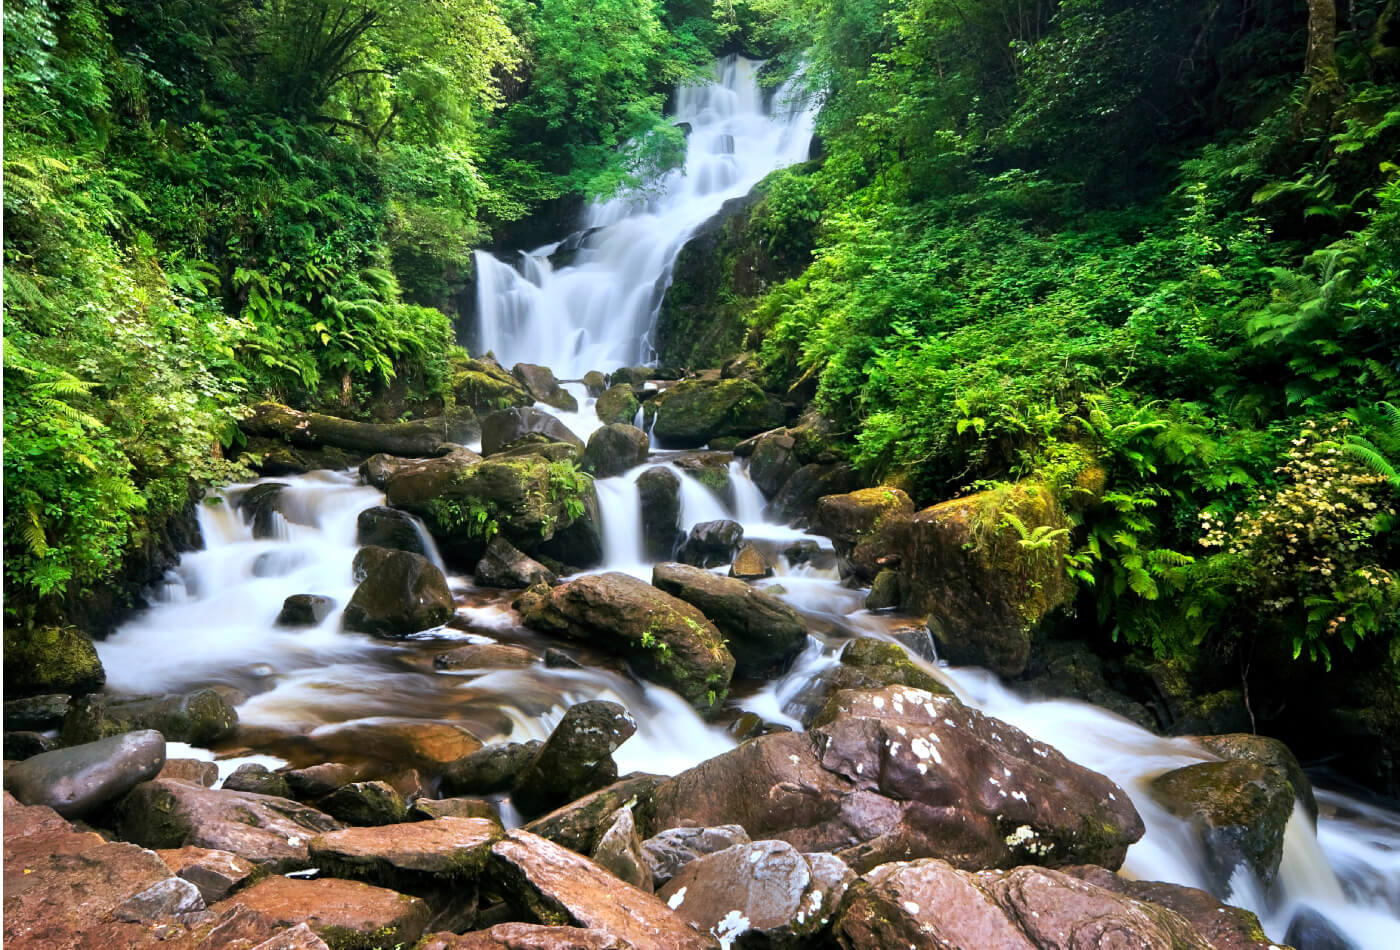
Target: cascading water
{"points": [[597, 313]]}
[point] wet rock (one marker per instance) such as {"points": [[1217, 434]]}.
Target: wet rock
{"points": [[765, 893], [365, 803], [799, 495], [710, 469], [431, 808], [519, 936], [750, 564], [398, 594], [576, 758], [76, 780], [557, 886], [317, 781], [665, 639], [505, 566], [195, 771], [772, 461], [856, 517], [579, 824], [388, 528], [901, 773], [618, 404], [36, 712], [275, 458], [485, 656], [614, 449], [802, 552], [416, 743], [594, 382], [501, 430], [50, 660], [866, 663], [270, 832], [408, 856], [694, 411], [261, 506], [421, 478], [378, 469], [884, 591], [668, 851], [216, 874], [539, 382], [21, 744], [763, 633], [347, 915], [1310, 930], [252, 777], [619, 850], [305, 610], [659, 490], [419, 438], [632, 376], [492, 769], [1238, 807], [1270, 753], [557, 659], [483, 386], [711, 543], [201, 717]]}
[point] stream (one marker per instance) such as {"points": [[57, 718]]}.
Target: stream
{"points": [[213, 620]]}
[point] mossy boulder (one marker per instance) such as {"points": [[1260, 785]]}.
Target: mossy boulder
{"points": [[694, 411], [1270, 753], [388, 528], [618, 403], [710, 469], [200, 717], [614, 449], [51, 660], [483, 386], [509, 428], [539, 381], [594, 382], [762, 632], [658, 491], [667, 640], [365, 803], [855, 518], [866, 663], [399, 593]]}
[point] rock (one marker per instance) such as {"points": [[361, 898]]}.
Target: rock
{"points": [[668, 641], [162, 901], [388, 528], [557, 659], [659, 490], [416, 743], [901, 772], [365, 803], [750, 564], [378, 469], [201, 717], [576, 758], [420, 478], [618, 405], [503, 565], [36, 712], [195, 771], [21, 744], [485, 656], [1238, 807], [594, 382], [50, 660], [431, 808], [694, 411], [1270, 753], [76, 780], [263, 507], [772, 461], [710, 469], [580, 824], [802, 552], [614, 449], [631, 376], [764, 893], [483, 386], [557, 886], [216, 874], [711, 543], [762, 632], [275, 458], [501, 430], [815, 480], [422, 437], [540, 383], [619, 851], [408, 856], [884, 591], [866, 663], [252, 777], [670, 850], [1311, 930], [1073, 669], [856, 516], [317, 781], [492, 769], [526, 937], [300, 937], [270, 832], [305, 610], [347, 915], [399, 593]]}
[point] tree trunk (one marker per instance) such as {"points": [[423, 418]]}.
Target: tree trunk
{"points": [[1320, 65]]}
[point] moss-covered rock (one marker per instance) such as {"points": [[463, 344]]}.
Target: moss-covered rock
{"points": [[509, 428], [762, 632], [694, 411], [399, 593], [594, 382], [866, 663], [51, 660], [614, 449], [483, 386], [658, 491], [855, 519], [200, 717], [618, 404], [539, 381]]}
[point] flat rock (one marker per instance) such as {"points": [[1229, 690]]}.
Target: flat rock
{"points": [[300, 937], [526, 937], [485, 656], [761, 631], [217, 874], [200, 717], [400, 855], [76, 780], [413, 742], [345, 914]]}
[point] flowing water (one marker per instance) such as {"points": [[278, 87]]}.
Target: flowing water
{"points": [[213, 620]]}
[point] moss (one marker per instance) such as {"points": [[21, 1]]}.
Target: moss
{"points": [[51, 660]]}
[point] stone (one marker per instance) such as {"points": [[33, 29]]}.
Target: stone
{"points": [[854, 517], [195, 771], [559, 887], [409, 856], [201, 717], [50, 660], [36, 712], [300, 937], [398, 594], [76, 780], [614, 449], [501, 430], [416, 743], [252, 777], [750, 564], [347, 915], [619, 850], [22, 744], [711, 543], [385, 527], [1270, 753], [668, 851], [710, 469], [420, 478], [594, 382], [170, 898], [485, 656], [365, 803], [665, 639], [269, 832], [866, 663], [764, 893], [618, 404], [557, 659], [317, 781], [275, 458], [262, 507], [518, 936], [884, 591], [378, 469], [492, 769], [802, 552], [772, 461], [483, 386], [762, 632], [216, 874], [419, 438], [576, 758], [305, 610], [693, 411], [798, 497], [539, 382], [579, 824], [659, 495], [430, 808], [505, 566]]}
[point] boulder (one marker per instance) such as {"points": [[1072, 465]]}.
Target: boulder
{"points": [[519, 936], [619, 850], [614, 449], [415, 743], [750, 564], [580, 824], [594, 382], [856, 517], [378, 469], [866, 663], [419, 478], [618, 404], [195, 771], [1270, 753], [347, 915], [492, 769], [884, 591], [815, 480], [51, 660], [762, 632], [711, 543], [201, 717], [485, 656], [388, 528], [45, 711], [76, 780], [694, 411], [305, 610], [1238, 807], [772, 461], [262, 508], [901, 773], [317, 781], [483, 386], [275, 458], [365, 803], [659, 495], [269, 832], [504, 565], [399, 593], [420, 438], [631, 376], [508, 427], [765, 893], [432, 808], [667, 640], [556, 886], [576, 758], [216, 874], [668, 851], [252, 777], [408, 856], [540, 383], [710, 469]]}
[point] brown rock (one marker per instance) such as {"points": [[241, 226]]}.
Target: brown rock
{"points": [[317, 781], [1270, 753], [365, 803], [300, 937], [194, 771], [345, 914], [491, 769], [1222, 926], [619, 850], [855, 516], [576, 758], [455, 808], [762, 632], [526, 937], [405, 855], [668, 851], [485, 656], [399, 593], [750, 564], [539, 381], [414, 742], [578, 825], [217, 874]]}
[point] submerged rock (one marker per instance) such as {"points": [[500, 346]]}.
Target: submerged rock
{"points": [[77, 780], [485, 656], [399, 593]]}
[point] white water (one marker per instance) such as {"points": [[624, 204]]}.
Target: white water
{"points": [[598, 313]]}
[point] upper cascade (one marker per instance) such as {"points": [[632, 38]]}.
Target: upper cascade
{"points": [[598, 311]]}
